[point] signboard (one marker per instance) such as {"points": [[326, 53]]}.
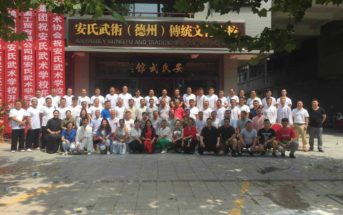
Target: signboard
{"points": [[188, 34]]}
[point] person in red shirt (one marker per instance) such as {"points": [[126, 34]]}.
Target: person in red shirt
{"points": [[286, 139], [189, 139], [178, 111]]}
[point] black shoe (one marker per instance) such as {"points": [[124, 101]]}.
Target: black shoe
{"points": [[320, 150], [274, 154], [263, 153], [239, 153], [310, 149], [291, 156], [282, 154], [251, 153]]}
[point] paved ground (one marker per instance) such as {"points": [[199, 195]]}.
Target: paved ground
{"points": [[172, 183]]}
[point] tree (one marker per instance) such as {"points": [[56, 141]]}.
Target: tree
{"points": [[278, 40]]}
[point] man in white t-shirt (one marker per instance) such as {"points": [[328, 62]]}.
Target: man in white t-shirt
{"points": [[242, 106], [193, 110], [40, 99], [270, 112], [33, 126], [252, 98], [125, 96], [137, 98], [232, 95], [284, 111], [17, 117], [200, 99], [151, 95], [96, 106], [84, 97], [75, 108], [97, 95], [284, 95], [300, 120], [207, 110], [165, 97], [55, 98], [221, 97], [188, 96], [46, 113], [212, 98], [235, 113], [268, 95], [120, 109], [112, 97], [63, 108], [220, 110], [69, 96]]}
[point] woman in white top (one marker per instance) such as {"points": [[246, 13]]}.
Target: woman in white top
{"points": [[136, 144]]}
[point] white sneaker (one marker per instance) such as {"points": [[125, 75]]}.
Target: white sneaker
{"points": [[108, 153], [164, 151], [13, 151], [22, 150], [38, 148], [28, 150], [89, 153]]}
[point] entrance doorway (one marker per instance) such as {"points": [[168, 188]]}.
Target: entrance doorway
{"points": [[159, 72]]}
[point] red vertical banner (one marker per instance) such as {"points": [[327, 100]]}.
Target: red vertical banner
{"points": [[2, 93], [27, 57], [43, 51], [11, 74], [57, 53]]}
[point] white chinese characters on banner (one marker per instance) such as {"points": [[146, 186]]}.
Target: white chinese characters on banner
{"points": [[43, 51], [27, 58], [57, 53], [11, 76]]}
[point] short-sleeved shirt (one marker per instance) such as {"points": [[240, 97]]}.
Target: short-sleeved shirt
{"points": [[242, 122], [248, 136], [316, 117], [265, 134], [69, 136], [226, 132], [300, 115], [210, 135], [19, 115], [285, 134], [33, 113]]}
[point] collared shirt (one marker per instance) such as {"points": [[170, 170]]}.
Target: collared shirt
{"points": [[284, 112], [300, 115], [270, 113]]}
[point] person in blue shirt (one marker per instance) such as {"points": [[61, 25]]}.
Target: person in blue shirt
{"points": [[68, 138], [105, 113]]}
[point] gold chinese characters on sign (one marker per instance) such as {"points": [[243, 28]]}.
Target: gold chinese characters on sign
{"points": [[145, 30], [154, 68]]}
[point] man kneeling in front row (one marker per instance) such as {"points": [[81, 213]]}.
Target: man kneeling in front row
{"points": [[266, 139], [286, 139]]}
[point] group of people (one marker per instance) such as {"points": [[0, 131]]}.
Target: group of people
{"points": [[120, 123]]}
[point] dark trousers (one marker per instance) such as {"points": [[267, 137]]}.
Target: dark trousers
{"points": [[32, 138], [189, 146], [43, 137], [17, 134], [176, 146], [136, 147], [208, 148]]}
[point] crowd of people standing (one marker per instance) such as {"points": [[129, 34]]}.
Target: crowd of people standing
{"points": [[121, 123]]}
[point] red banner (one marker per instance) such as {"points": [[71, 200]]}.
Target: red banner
{"points": [[57, 53], [12, 67], [27, 57], [43, 51], [2, 93]]}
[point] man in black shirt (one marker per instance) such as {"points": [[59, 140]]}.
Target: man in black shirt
{"points": [[228, 137], [209, 138], [266, 139], [316, 120]]}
